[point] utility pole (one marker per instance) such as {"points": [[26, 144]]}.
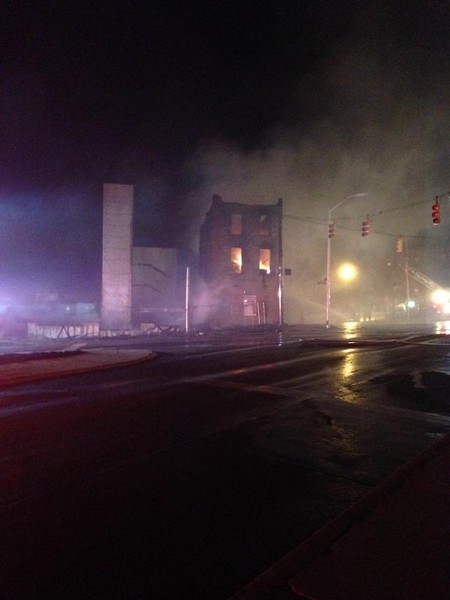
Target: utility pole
{"points": [[331, 233]]}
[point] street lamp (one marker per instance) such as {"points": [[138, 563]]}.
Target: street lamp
{"points": [[347, 272], [330, 235]]}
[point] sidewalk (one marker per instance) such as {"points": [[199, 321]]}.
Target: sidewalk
{"points": [[23, 368], [392, 544]]}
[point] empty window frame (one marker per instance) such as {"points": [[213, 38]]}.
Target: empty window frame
{"points": [[236, 224], [264, 227]]}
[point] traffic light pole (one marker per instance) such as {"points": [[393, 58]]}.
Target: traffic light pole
{"points": [[408, 307], [328, 277]]}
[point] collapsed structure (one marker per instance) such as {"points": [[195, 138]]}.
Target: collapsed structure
{"points": [[240, 268], [238, 282]]}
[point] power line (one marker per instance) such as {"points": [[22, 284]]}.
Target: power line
{"points": [[411, 204], [373, 214]]}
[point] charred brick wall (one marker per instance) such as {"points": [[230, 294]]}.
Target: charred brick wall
{"points": [[241, 258]]}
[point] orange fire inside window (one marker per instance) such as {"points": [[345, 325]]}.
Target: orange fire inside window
{"points": [[264, 259], [236, 260]]}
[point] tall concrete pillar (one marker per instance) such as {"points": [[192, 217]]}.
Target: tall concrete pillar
{"points": [[117, 256]]}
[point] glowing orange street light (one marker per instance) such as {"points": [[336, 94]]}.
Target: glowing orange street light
{"points": [[347, 272], [329, 238]]}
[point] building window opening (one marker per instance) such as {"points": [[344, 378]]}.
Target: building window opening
{"points": [[236, 224], [264, 225], [236, 260], [264, 260]]}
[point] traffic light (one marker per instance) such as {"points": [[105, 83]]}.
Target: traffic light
{"points": [[399, 244], [331, 230], [436, 212], [365, 228]]}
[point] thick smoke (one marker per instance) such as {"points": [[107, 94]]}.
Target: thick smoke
{"points": [[381, 129]]}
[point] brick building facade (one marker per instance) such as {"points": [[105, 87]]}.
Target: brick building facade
{"points": [[241, 262]]}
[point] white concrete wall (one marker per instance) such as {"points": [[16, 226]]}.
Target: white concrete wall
{"points": [[117, 256], [154, 277]]}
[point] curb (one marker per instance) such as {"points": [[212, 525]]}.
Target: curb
{"points": [[21, 357], [49, 373]]}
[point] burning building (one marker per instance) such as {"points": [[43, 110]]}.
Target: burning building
{"points": [[241, 263]]}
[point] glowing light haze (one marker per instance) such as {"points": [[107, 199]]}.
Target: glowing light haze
{"points": [[305, 101]]}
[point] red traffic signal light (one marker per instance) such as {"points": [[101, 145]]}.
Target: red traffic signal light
{"points": [[399, 244], [365, 228], [436, 212], [331, 230]]}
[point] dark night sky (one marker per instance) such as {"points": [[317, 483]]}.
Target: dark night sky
{"points": [[157, 93], [112, 89]]}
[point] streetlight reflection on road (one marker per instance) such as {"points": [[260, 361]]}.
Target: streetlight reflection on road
{"points": [[350, 330], [349, 370], [348, 366]]}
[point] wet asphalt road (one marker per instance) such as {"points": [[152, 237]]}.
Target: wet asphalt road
{"points": [[187, 476]]}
